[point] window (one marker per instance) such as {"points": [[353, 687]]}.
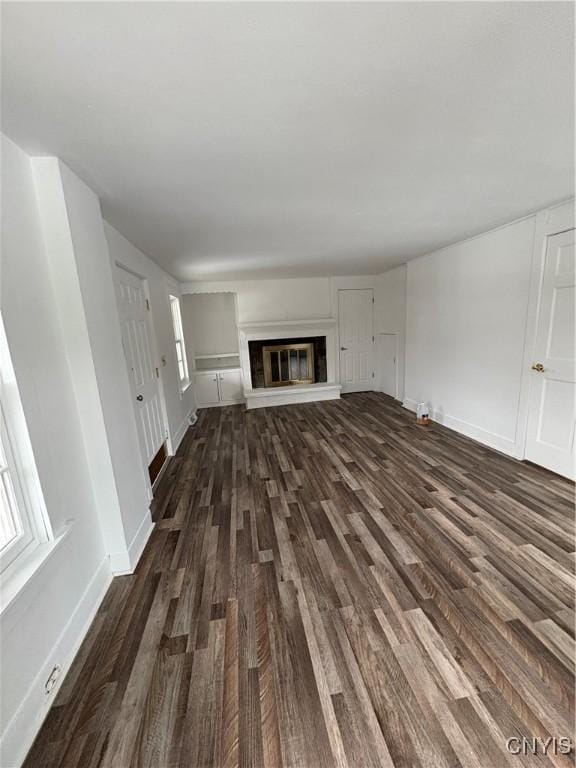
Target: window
{"points": [[22, 520], [15, 529], [179, 341]]}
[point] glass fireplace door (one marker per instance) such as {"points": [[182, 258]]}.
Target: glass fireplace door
{"points": [[286, 364]]}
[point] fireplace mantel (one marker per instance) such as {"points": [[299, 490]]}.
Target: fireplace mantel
{"points": [[271, 326], [285, 329]]}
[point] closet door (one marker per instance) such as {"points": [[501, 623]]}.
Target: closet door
{"points": [[356, 340]]}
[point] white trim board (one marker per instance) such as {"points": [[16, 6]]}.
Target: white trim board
{"points": [[180, 432], [123, 563], [490, 439], [18, 587], [269, 326], [301, 393], [223, 405], [138, 544], [20, 732], [378, 370]]}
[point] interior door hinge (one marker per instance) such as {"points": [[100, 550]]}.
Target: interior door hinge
{"points": [[147, 305], [372, 299], [157, 373], [372, 339], [372, 374]]}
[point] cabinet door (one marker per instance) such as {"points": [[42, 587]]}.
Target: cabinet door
{"points": [[206, 388], [231, 386]]}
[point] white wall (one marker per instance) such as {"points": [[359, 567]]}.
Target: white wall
{"points": [[264, 300], [179, 406], [44, 625], [209, 321], [77, 253], [460, 314], [466, 322], [313, 298], [103, 320], [297, 299], [62, 324], [465, 327], [390, 314]]}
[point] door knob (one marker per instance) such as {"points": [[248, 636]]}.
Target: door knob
{"points": [[538, 367], [139, 397], [343, 349]]}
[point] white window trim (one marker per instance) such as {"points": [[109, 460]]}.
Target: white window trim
{"points": [[23, 577], [31, 510], [179, 342], [18, 508]]}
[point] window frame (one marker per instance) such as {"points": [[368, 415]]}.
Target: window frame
{"points": [[179, 342], [28, 507], [18, 508]]}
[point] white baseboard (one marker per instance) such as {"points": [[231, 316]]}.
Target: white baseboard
{"points": [[410, 405], [484, 436], [222, 405], [124, 563], [19, 734], [140, 540], [173, 446], [181, 431], [120, 563]]}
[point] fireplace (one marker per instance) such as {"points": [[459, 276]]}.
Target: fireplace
{"points": [[287, 362], [291, 385]]}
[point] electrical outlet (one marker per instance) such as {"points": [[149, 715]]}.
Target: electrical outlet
{"points": [[52, 678]]}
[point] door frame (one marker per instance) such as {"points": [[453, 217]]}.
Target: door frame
{"points": [[396, 353], [552, 221], [349, 282], [154, 342], [354, 287]]}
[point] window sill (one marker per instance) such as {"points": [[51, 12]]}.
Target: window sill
{"points": [[27, 567], [184, 386]]}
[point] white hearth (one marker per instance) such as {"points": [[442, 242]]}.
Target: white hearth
{"points": [[260, 397]]}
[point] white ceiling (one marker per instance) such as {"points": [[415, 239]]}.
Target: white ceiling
{"points": [[232, 140]]}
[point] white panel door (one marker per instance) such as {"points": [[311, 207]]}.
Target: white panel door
{"points": [[138, 348], [231, 386], [551, 421], [206, 389], [355, 310], [387, 344]]}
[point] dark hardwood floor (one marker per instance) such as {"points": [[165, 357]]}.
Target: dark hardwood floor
{"points": [[331, 585]]}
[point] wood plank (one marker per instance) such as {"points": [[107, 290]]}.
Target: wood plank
{"points": [[330, 586]]}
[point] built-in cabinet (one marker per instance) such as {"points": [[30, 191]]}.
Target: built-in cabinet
{"points": [[209, 322], [218, 387]]}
